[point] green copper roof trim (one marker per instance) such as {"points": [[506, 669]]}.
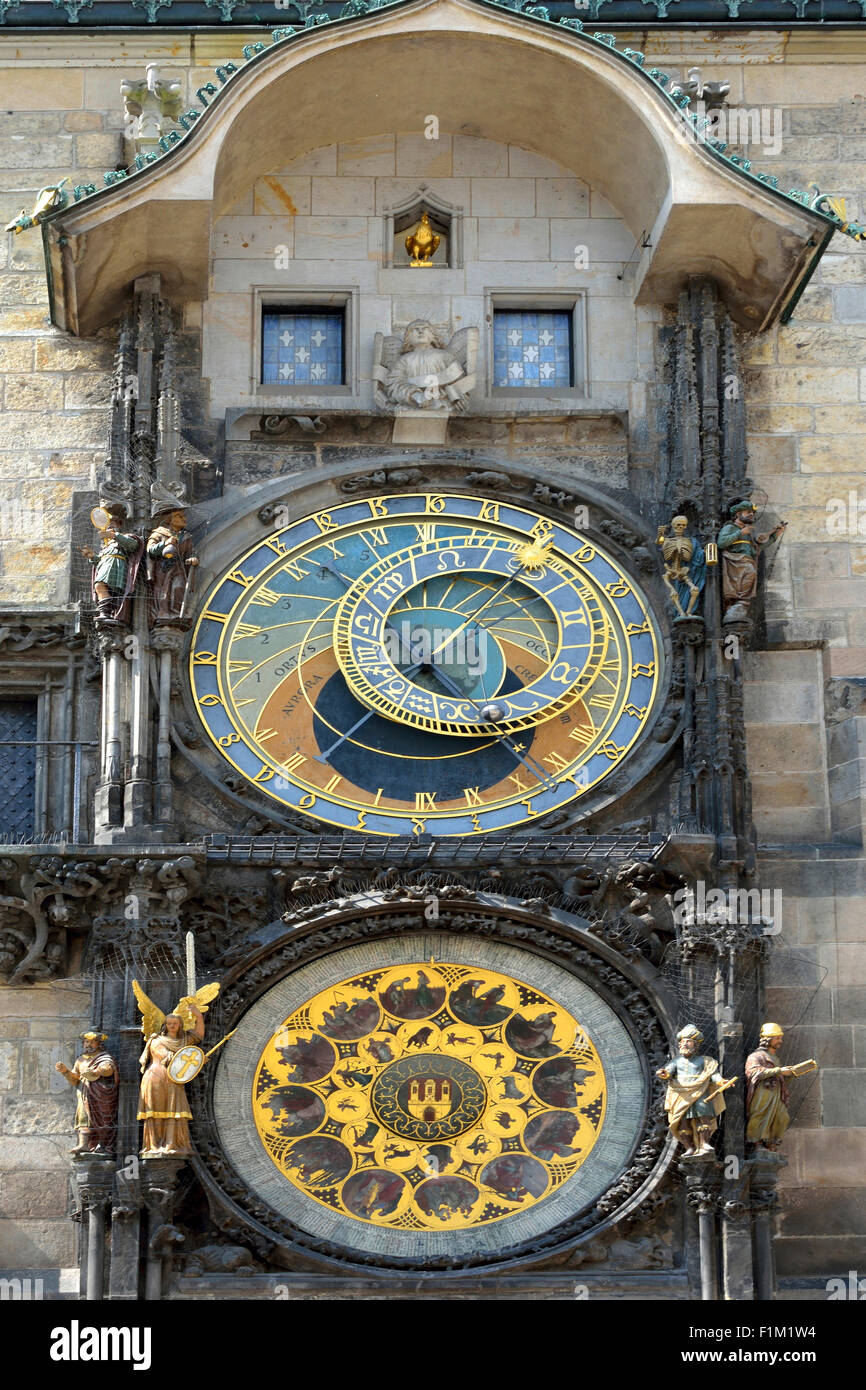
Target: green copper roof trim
{"points": [[257, 52]]}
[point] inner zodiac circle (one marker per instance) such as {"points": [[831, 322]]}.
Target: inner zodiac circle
{"points": [[429, 1096]]}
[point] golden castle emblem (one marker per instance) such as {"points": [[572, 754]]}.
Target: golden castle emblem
{"points": [[429, 1098]]}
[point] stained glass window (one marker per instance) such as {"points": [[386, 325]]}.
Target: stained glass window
{"points": [[302, 347], [532, 349], [17, 768]]}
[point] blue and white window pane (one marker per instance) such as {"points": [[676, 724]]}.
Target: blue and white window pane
{"points": [[302, 348], [532, 350]]}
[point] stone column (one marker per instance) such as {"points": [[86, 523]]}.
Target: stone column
{"points": [[160, 1177], [736, 1236], [137, 810], [108, 809], [702, 1194], [125, 1232], [737, 1283], [166, 643], [93, 1180], [765, 1170]]}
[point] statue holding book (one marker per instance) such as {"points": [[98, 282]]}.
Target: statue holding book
{"points": [[767, 1092]]}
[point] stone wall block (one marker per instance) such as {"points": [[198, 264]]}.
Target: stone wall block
{"points": [[504, 198], [27, 1244], [343, 197], [476, 156], [39, 1115], [32, 1194], [9, 1053], [844, 1100]]}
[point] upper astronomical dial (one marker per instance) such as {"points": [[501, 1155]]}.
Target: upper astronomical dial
{"points": [[427, 663], [382, 655]]}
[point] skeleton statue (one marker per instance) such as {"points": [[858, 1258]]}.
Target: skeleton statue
{"points": [[418, 371], [684, 566]]}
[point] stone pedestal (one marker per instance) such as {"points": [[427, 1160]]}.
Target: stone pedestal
{"points": [[765, 1168], [703, 1184], [94, 1177], [420, 427], [159, 1190]]}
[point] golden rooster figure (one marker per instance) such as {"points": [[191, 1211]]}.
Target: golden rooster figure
{"points": [[163, 1105], [422, 243]]}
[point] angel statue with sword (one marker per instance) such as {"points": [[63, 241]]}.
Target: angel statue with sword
{"points": [[171, 1057]]}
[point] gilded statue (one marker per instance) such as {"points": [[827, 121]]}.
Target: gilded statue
{"points": [[170, 565], [163, 1104], [739, 548], [685, 566], [422, 243], [419, 372], [767, 1092], [95, 1075], [694, 1097]]}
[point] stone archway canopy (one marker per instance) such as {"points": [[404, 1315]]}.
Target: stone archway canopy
{"points": [[569, 95]]}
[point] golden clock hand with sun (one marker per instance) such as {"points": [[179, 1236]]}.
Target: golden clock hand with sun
{"points": [[425, 664]]}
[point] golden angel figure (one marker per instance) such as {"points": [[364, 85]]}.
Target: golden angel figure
{"points": [[163, 1105]]}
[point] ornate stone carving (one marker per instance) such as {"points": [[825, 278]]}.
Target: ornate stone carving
{"points": [[150, 103], [219, 1259], [418, 371], [34, 917], [18, 636], [225, 922], [371, 482]]}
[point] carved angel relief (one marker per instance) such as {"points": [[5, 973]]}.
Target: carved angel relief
{"points": [[419, 372]]}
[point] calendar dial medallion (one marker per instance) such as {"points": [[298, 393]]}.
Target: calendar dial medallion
{"points": [[425, 664]]}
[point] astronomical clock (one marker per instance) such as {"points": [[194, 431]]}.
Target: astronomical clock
{"points": [[425, 665], [411, 1081]]}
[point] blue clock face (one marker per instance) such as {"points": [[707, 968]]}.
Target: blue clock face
{"points": [[425, 664]]}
